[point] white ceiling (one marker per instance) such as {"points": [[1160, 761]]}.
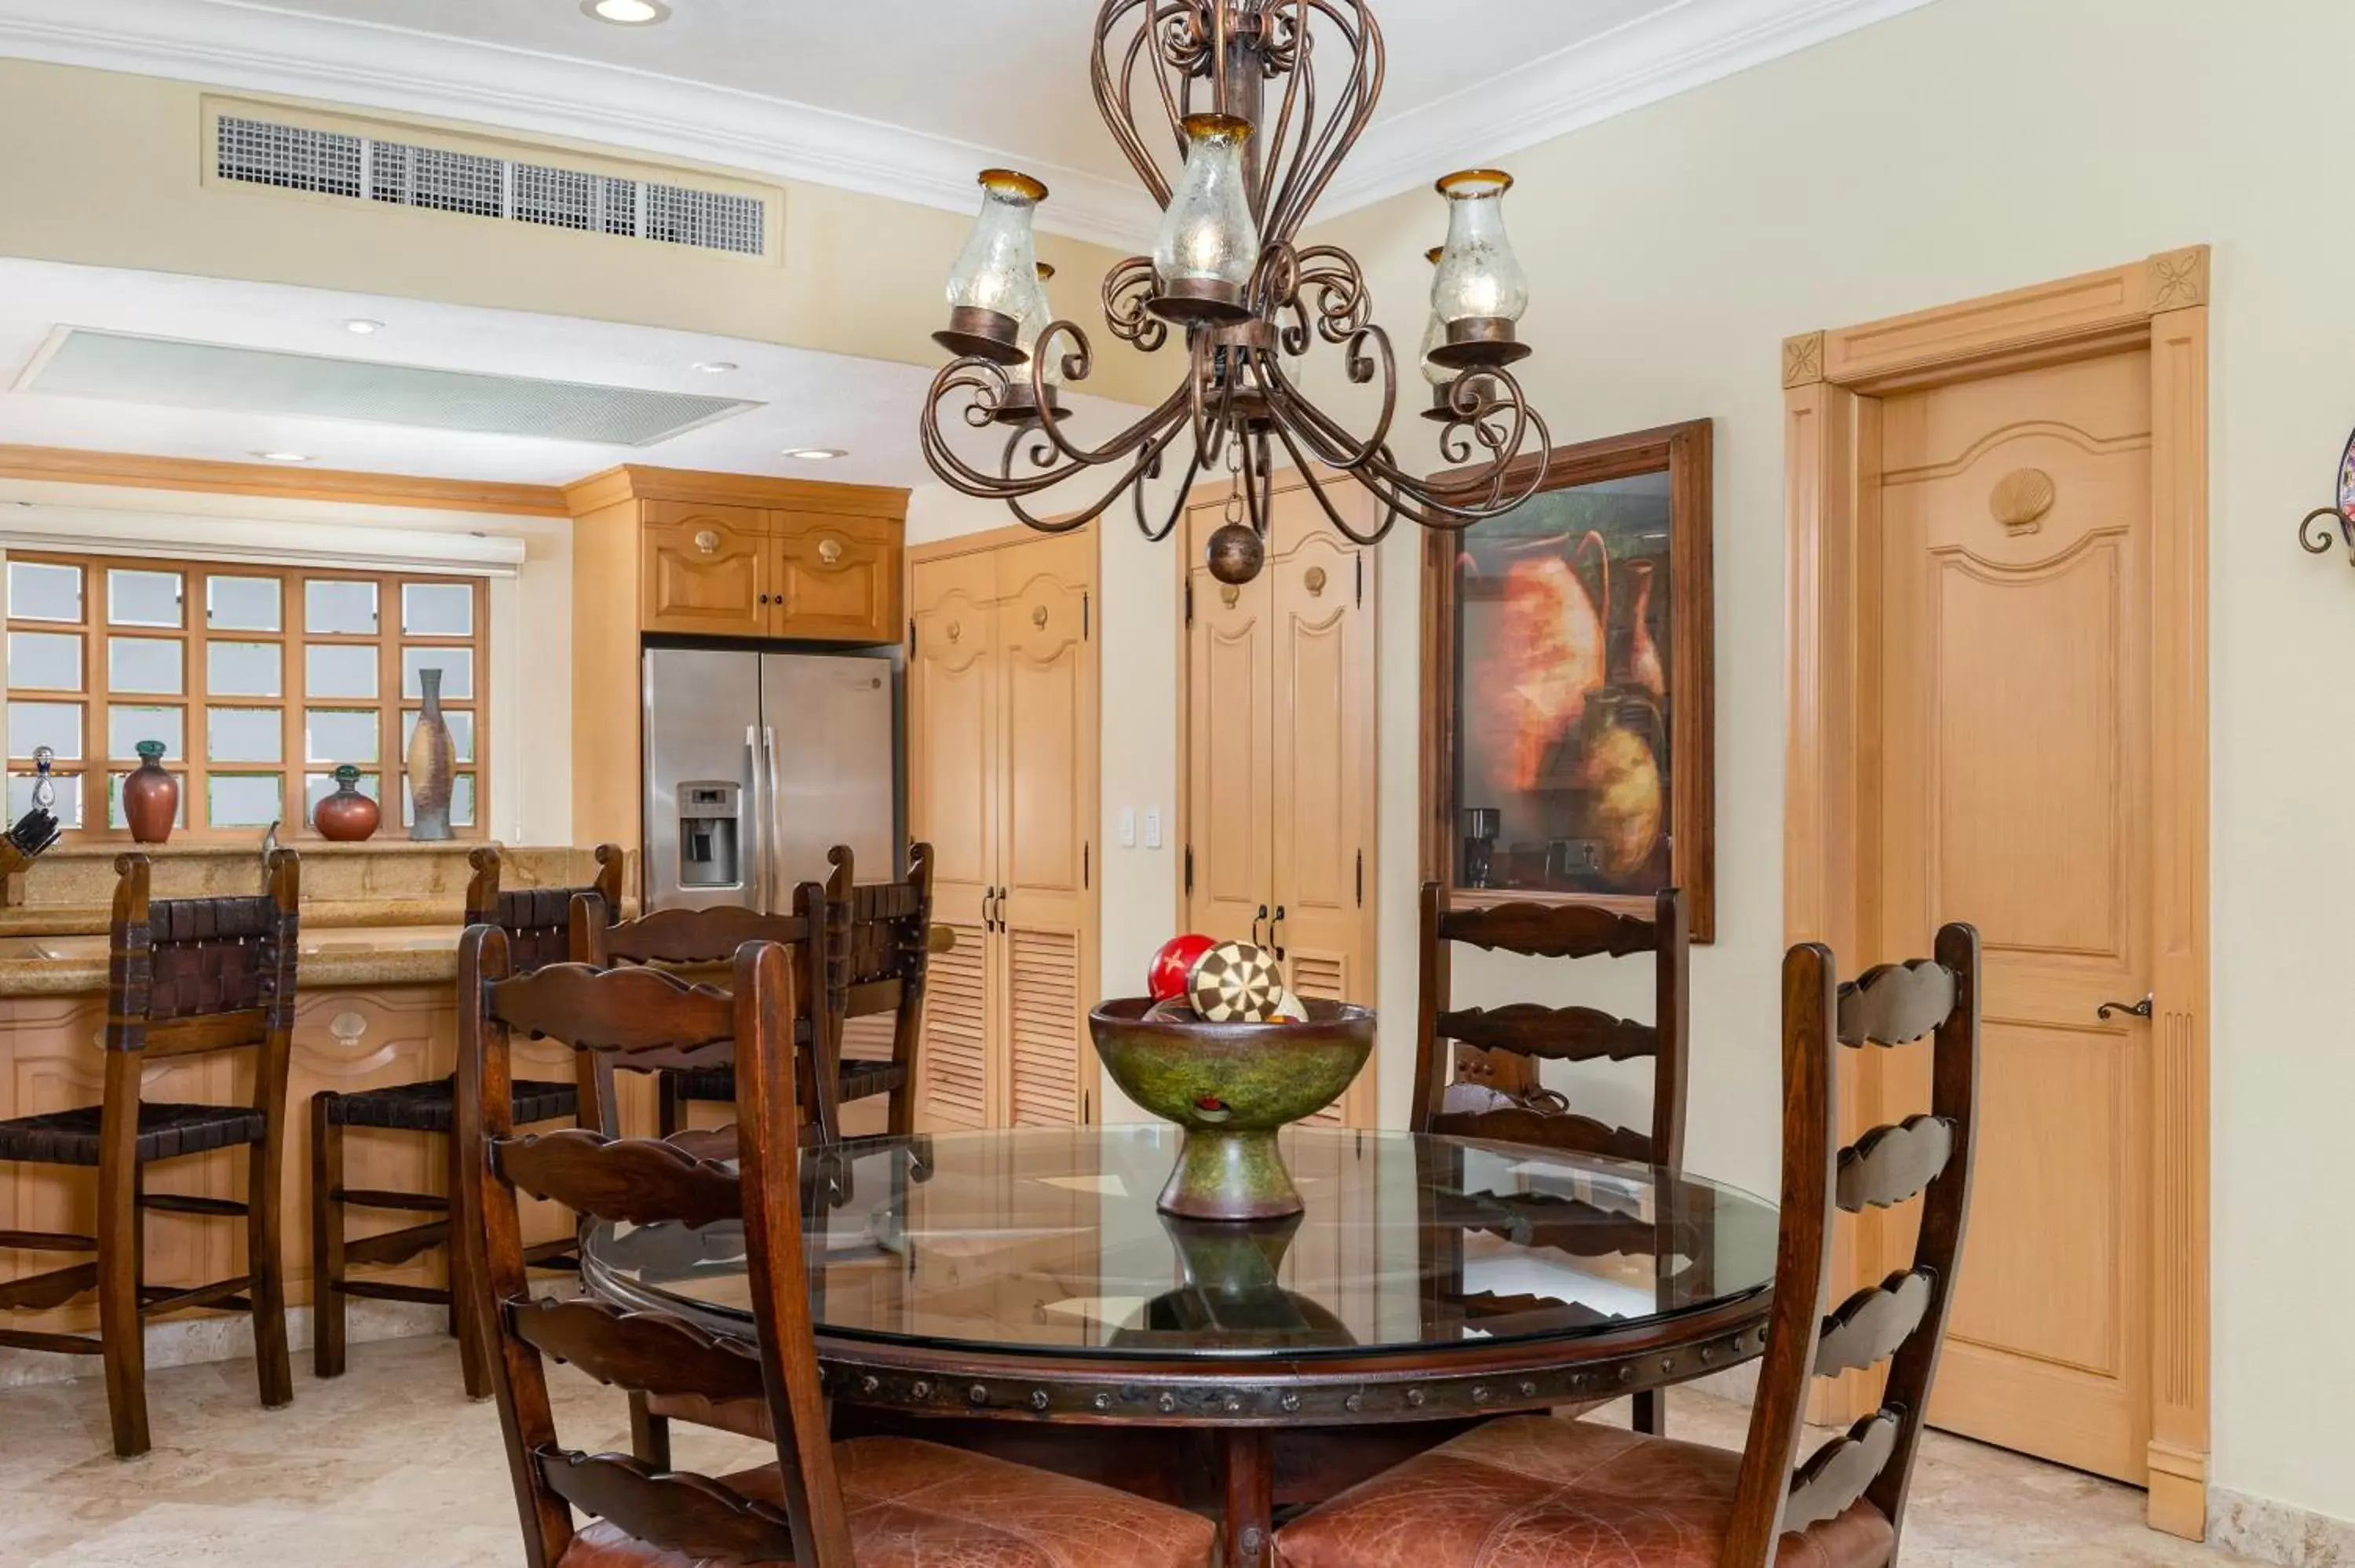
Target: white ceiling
{"points": [[810, 400], [908, 97]]}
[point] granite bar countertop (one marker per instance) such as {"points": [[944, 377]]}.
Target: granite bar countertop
{"points": [[74, 965]]}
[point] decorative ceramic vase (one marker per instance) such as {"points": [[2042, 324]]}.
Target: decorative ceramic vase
{"points": [[1232, 1087], [151, 797], [432, 765], [346, 817]]}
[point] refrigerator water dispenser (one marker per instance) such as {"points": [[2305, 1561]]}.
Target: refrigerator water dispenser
{"points": [[708, 836]]}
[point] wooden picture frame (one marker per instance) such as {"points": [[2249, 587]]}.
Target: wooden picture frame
{"points": [[1684, 716]]}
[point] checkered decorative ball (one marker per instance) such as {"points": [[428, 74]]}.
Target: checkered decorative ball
{"points": [[1236, 982]]}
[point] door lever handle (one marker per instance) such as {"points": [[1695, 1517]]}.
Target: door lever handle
{"points": [[1275, 934], [2131, 1009], [1256, 940]]}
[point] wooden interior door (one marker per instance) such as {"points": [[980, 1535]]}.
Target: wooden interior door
{"points": [[1230, 740], [706, 569], [2015, 782], [953, 751], [1046, 804]]}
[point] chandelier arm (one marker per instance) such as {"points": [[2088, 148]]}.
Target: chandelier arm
{"points": [[1302, 74], [1353, 109], [1332, 514], [1178, 508], [1289, 402], [1209, 430], [988, 383], [1145, 459], [1075, 367], [1115, 100]]}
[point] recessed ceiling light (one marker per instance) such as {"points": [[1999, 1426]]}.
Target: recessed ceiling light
{"points": [[814, 454], [627, 12], [283, 457], [363, 325], [716, 367]]}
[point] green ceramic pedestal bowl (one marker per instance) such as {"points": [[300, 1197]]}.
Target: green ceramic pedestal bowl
{"points": [[1232, 1087]]}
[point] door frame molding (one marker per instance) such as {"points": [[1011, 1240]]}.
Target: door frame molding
{"points": [[1359, 1105], [1831, 383]]}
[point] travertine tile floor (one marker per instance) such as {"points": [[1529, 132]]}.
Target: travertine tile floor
{"points": [[390, 1467]]}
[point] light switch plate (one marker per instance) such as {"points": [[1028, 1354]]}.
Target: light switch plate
{"points": [[1128, 827], [1153, 827]]}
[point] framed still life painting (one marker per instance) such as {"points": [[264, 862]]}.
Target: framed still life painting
{"points": [[1567, 676]]}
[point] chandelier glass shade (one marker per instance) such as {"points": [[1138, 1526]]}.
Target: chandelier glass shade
{"points": [[1259, 101]]}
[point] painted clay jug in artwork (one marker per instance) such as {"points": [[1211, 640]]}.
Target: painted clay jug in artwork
{"points": [[1547, 656], [151, 797], [1620, 773], [346, 816], [1644, 671], [432, 765]]}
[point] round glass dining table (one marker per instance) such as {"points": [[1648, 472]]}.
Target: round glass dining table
{"points": [[1026, 1276]]}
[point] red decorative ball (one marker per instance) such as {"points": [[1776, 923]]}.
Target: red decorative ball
{"points": [[1174, 964]]}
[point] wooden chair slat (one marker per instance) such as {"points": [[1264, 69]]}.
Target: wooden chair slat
{"points": [[698, 936], [1841, 1472], [637, 1351], [1549, 1129], [614, 1010], [868, 998], [1550, 931], [1554, 1034], [1895, 1003], [197, 1034], [634, 1180], [38, 1292], [1871, 1325], [690, 1514], [1485, 1306], [1567, 1225], [397, 1246], [1892, 1164]]}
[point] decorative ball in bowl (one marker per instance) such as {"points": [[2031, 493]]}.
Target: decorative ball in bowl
{"points": [[1231, 1086]]}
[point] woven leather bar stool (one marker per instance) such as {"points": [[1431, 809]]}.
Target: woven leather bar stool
{"points": [[185, 976], [878, 945], [536, 921]]}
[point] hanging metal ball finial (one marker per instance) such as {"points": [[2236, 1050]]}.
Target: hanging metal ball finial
{"points": [[1235, 554]]}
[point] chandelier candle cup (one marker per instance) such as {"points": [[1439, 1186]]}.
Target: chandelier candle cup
{"points": [[1020, 404], [1480, 291], [1208, 246], [996, 280]]}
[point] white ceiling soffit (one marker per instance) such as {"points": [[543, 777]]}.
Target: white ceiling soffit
{"points": [[129, 367], [238, 44]]}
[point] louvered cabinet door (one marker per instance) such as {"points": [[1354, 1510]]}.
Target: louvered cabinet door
{"points": [[952, 708], [1046, 827], [1321, 794], [1230, 737]]}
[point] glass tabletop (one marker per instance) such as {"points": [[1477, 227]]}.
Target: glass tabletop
{"points": [[1047, 1241]]}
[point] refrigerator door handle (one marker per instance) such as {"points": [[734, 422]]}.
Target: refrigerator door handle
{"points": [[773, 829], [759, 834]]}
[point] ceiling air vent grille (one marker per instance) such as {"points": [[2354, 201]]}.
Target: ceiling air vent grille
{"points": [[401, 173]]}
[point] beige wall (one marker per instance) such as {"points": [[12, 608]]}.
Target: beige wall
{"points": [[113, 176], [1968, 147]]}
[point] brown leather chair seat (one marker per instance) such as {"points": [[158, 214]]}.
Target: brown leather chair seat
{"points": [[919, 1505], [1534, 1492]]}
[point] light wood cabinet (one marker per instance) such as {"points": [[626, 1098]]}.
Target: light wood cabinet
{"points": [[662, 552], [1002, 762], [708, 569], [1279, 740]]}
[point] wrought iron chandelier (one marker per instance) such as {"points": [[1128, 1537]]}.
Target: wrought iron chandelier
{"points": [[1228, 272]]}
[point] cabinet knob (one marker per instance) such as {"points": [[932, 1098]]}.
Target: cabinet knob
{"points": [[708, 541], [829, 551], [1039, 615]]}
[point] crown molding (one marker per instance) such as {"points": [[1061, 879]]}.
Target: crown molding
{"points": [[254, 49], [1656, 57]]}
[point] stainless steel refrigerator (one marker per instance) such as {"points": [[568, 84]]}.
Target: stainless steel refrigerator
{"points": [[759, 763]]}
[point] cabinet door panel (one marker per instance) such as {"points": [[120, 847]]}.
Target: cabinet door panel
{"points": [[1046, 824], [837, 578], [706, 569]]}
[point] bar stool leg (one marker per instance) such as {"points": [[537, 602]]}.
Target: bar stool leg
{"points": [[649, 1434], [265, 1263], [473, 1355], [327, 1304], [122, 1331]]}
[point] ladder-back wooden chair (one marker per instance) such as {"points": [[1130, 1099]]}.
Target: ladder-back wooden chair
{"points": [[1526, 1033], [822, 1504], [538, 921], [185, 977], [1536, 1492]]}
